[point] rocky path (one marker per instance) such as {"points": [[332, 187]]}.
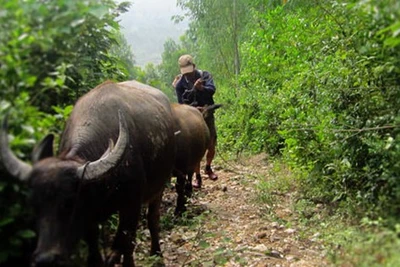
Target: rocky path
{"points": [[226, 226]]}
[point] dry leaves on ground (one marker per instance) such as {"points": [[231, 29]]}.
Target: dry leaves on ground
{"points": [[226, 227]]}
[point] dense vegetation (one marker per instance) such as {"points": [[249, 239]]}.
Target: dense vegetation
{"points": [[51, 52], [316, 83]]}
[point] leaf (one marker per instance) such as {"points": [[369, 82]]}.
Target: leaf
{"points": [[77, 22], [2, 186], [26, 234], [392, 42], [4, 105], [98, 11], [204, 244], [6, 221]]}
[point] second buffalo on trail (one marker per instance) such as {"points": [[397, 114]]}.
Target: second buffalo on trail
{"points": [[90, 178], [193, 137]]}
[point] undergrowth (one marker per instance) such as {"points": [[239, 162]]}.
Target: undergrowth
{"points": [[349, 240]]}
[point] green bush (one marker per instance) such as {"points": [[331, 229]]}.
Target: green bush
{"points": [[51, 52], [27, 125], [57, 50], [319, 85]]}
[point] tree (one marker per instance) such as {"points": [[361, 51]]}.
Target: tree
{"points": [[216, 30], [123, 51], [51, 52], [41, 53], [319, 86]]}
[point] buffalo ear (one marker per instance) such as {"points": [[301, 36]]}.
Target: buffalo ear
{"points": [[44, 149]]}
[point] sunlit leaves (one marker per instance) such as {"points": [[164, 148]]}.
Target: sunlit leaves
{"points": [[216, 31], [393, 39], [313, 78], [51, 52], [39, 40]]}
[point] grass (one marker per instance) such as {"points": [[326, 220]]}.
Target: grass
{"points": [[376, 246], [349, 241]]}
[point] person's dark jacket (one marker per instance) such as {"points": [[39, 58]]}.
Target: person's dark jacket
{"points": [[188, 95]]}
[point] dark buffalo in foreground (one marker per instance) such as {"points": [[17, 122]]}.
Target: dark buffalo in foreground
{"points": [[91, 178], [192, 142]]}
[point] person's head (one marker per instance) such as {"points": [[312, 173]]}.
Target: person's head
{"points": [[186, 64]]}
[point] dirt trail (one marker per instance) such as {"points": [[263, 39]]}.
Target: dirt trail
{"points": [[226, 227]]}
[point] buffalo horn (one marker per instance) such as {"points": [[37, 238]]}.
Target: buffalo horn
{"points": [[96, 169], [109, 149], [13, 165]]}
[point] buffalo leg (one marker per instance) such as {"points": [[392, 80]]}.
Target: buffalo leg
{"points": [[189, 186], [92, 239], [153, 222], [124, 241], [198, 175], [180, 189]]}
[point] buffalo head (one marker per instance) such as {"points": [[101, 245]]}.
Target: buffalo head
{"points": [[62, 211]]}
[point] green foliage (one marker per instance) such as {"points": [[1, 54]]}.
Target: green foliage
{"points": [[376, 249], [365, 244], [126, 63], [317, 83], [51, 52], [26, 127], [169, 67], [216, 30], [278, 180], [57, 50], [161, 76], [323, 90]]}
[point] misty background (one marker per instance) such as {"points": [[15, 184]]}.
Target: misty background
{"points": [[146, 27]]}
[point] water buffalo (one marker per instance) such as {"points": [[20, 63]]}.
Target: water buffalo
{"points": [[192, 142], [91, 178]]}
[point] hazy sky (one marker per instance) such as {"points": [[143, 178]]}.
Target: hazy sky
{"points": [[147, 25]]}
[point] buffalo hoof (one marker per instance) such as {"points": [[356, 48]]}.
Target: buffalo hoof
{"points": [[188, 190], [196, 185], [197, 182], [178, 213]]}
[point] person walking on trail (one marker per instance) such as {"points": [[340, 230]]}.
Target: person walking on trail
{"points": [[196, 88]]}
